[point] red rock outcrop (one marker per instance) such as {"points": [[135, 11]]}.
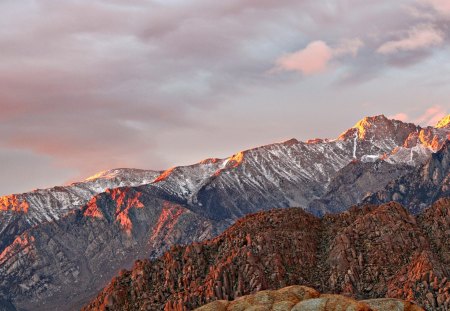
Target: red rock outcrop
{"points": [[14, 203], [124, 199], [365, 253]]}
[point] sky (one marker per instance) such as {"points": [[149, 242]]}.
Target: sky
{"points": [[90, 85]]}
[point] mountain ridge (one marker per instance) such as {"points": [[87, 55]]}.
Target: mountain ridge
{"points": [[185, 204]]}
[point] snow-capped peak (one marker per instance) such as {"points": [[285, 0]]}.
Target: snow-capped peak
{"points": [[118, 173], [108, 174]]}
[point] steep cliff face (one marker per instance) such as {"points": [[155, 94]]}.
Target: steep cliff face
{"points": [[368, 252], [421, 186], [354, 182]]}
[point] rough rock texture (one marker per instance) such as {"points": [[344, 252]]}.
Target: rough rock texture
{"points": [[19, 212], [354, 182], [59, 265], [391, 304], [419, 187], [302, 298], [332, 174], [231, 265], [6, 306], [368, 252]]}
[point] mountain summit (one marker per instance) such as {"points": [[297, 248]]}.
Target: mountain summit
{"points": [[378, 128]]}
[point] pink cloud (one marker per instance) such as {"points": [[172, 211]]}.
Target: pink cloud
{"points": [[418, 37], [399, 116], [440, 6], [312, 59], [431, 116]]}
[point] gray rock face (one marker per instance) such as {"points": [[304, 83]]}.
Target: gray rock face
{"points": [[420, 186], [68, 241], [355, 181], [6, 306]]}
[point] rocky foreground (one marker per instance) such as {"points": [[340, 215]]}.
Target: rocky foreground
{"points": [[367, 252], [302, 298]]}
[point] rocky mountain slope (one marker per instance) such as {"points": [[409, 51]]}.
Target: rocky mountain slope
{"points": [[368, 252], [421, 186], [302, 298], [52, 266], [355, 181], [111, 229], [19, 212], [296, 173], [312, 164]]}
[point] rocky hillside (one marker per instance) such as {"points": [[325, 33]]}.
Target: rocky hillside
{"points": [[369, 252], [58, 264], [354, 182], [421, 186], [302, 298], [19, 212]]}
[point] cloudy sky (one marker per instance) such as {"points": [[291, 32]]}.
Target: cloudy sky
{"points": [[87, 85]]}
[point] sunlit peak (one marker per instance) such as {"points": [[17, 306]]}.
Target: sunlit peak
{"points": [[444, 122], [236, 159]]}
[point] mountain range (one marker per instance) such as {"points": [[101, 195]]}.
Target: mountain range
{"points": [[60, 246]]}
